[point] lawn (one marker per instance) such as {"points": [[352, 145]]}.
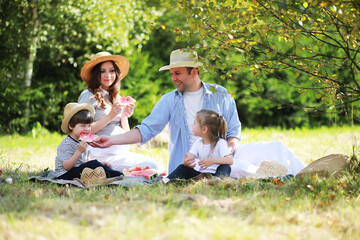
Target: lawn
{"points": [[312, 208]]}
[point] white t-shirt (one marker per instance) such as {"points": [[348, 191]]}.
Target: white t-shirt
{"points": [[202, 151], [193, 102]]}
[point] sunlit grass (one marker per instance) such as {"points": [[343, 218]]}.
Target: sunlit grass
{"points": [[312, 208]]}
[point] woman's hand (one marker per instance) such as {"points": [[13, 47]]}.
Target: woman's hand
{"points": [[116, 109], [128, 110]]}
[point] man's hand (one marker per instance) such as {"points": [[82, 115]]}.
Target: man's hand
{"points": [[189, 160], [233, 144], [102, 142]]}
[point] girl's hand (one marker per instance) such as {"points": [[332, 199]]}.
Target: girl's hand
{"points": [[128, 110], [189, 160], [82, 146], [205, 163]]}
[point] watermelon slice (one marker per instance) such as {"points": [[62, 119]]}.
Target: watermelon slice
{"points": [[88, 137], [138, 171], [127, 100]]}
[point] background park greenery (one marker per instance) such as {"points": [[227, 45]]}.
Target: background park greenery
{"points": [[291, 64], [286, 63]]}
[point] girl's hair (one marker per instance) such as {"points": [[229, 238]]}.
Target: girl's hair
{"points": [[83, 116], [95, 84], [215, 122]]}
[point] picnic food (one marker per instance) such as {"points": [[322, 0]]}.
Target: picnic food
{"points": [[138, 171], [88, 137]]}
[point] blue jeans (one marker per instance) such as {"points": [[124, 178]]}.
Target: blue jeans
{"points": [[223, 170], [76, 171], [183, 172]]}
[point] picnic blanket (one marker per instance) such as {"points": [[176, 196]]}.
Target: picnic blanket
{"points": [[49, 176]]}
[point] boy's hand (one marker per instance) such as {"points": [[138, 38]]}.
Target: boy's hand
{"points": [[189, 160], [106, 164], [82, 146]]}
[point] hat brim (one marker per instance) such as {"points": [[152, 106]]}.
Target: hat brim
{"points": [[94, 177], [270, 169], [329, 165], [81, 106], [182, 64], [121, 62]]}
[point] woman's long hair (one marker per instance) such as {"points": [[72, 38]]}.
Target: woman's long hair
{"points": [[95, 84], [216, 124]]}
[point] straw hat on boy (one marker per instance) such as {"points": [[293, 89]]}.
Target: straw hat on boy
{"points": [[70, 110], [95, 177], [182, 58], [121, 62]]}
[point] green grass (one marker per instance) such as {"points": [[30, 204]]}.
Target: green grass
{"points": [[312, 208]]}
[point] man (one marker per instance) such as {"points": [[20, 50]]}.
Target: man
{"points": [[178, 108]]}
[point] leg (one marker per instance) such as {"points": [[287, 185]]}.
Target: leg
{"points": [[223, 170], [109, 171], [183, 172], [76, 171]]}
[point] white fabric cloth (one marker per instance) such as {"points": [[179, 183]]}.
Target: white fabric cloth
{"points": [[248, 157], [203, 151]]}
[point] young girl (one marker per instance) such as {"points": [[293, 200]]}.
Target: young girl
{"points": [[72, 155], [207, 152]]}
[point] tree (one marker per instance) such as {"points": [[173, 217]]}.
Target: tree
{"points": [[312, 45], [45, 43]]}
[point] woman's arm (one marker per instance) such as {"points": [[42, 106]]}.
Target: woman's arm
{"points": [[88, 97], [126, 113], [102, 122]]}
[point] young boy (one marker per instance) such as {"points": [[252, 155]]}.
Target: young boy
{"points": [[72, 155]]}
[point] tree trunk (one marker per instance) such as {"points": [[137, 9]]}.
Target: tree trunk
{"points": [[32, 54]]}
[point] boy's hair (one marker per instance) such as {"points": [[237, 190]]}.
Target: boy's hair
{"points": [[215, 122], [83, 116]]}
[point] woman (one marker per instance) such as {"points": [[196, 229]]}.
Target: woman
{"points": [[103, 74]]}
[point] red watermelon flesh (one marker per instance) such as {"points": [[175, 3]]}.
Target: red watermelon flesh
{"points": [[88, 137], [148, 173], [127, 100]]}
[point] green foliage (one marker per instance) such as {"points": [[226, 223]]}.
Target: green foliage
{"points": [[68, 34], [311, 45], [258, 54]]}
